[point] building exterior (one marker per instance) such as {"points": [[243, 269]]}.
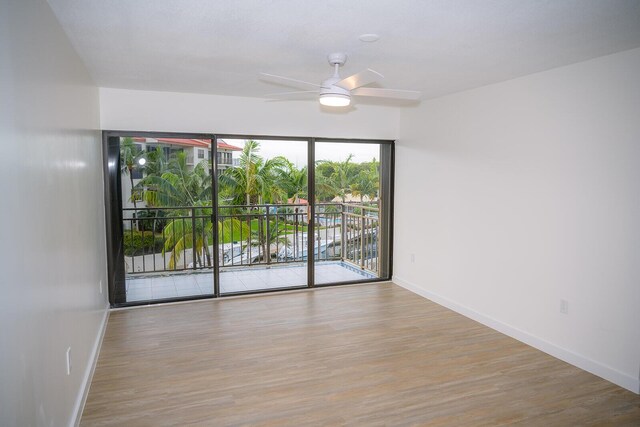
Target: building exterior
{"points": [[196, 150], [225, 155]]}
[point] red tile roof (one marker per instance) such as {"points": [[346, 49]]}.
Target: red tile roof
{"points": [[176, 141], [299, 200], [201, 143], [222, 144]]}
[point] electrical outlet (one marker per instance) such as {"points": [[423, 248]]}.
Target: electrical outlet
{"points": [[100, 285], [564, 306], [413, 258], [69, 361]]}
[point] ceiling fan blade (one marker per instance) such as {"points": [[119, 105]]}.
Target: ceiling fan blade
{"points": [[295, 94], [286, 81], [387, 93], [359, 79]]}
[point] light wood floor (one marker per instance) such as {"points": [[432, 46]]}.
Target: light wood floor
{"points": [[360, 355]]}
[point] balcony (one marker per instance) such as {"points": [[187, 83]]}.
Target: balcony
{"points": [[262, 247]]}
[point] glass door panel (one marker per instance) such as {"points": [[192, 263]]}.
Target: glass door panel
{"points": [[352, 186], [166, 190], [262, 214]]}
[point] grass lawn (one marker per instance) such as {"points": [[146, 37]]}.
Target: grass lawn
{"points": [[235, 233]]}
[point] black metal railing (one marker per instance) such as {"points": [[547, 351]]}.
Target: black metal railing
{"points": [[171, 239], [360, 236]]}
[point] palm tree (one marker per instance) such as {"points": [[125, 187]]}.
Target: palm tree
{"points": [[325, 188], [293, 181], [265, 235], [367, 182], [335, 177], [156, 163], [129, 156], [180, 234], [173, 184], [254, 181]]}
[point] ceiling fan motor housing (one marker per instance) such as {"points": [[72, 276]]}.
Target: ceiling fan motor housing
{"points": [[328, 87], [332, 95], [337, 58]]}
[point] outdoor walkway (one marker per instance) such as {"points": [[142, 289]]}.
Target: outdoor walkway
{"points": [[239, 280]]}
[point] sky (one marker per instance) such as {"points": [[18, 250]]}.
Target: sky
{"points": [[296, 151]]}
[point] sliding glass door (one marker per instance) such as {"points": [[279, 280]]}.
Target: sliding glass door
{"points": [[166, 193], [263, 214], [196, 215], [352, 202]]}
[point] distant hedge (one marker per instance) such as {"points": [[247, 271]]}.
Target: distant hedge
{"points": [[139, 243]]}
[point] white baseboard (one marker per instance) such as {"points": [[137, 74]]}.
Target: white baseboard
{"points": [[582, 362], [88, 374]]}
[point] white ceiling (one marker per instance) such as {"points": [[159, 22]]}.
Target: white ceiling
{"points": [[435, 46]]}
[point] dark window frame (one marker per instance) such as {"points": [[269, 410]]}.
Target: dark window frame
{"points": [[113, 209]]}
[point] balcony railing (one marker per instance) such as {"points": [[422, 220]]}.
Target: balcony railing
{"points": [[172, 239]]}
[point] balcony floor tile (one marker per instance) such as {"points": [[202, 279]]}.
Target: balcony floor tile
{"points": [[239, 280]]}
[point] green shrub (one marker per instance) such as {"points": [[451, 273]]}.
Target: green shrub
{"points": [[139, 243], [147, 219]]}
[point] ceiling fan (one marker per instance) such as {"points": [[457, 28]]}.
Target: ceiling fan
{"points": [[337, 91]]}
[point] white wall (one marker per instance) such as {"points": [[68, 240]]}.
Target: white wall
{"points": [[122, 109], [517, 195], [52, 244]]}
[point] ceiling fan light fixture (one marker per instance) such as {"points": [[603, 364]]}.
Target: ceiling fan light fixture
{"points": [[334, 100], [336, 92]]}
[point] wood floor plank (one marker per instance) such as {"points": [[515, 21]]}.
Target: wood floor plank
{"points": [[374, 355]]}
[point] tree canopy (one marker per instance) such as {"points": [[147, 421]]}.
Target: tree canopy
{"points": [[186, 189]]}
